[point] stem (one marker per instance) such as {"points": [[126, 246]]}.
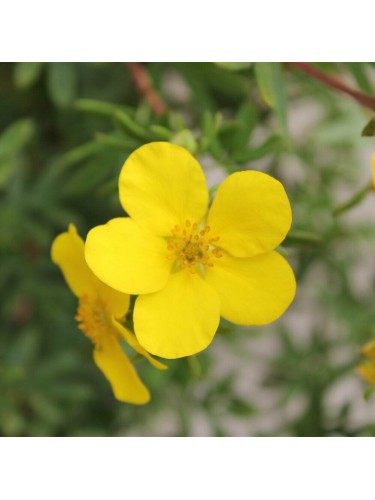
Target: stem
{"points": [[195, 367], [354, 200], [145, 87], [136, 358], [297, 237], [336, 84]]}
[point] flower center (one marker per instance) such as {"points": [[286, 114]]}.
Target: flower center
{"points": [[92, 318], [191, 247]]}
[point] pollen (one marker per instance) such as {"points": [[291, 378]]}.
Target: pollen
{"points": [[191, 247], [92, 318]]}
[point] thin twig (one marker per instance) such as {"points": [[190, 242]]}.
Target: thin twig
{"points": [[145, 87], [336, 84], [353, 201]]}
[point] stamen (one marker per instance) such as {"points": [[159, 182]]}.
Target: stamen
{"points": [[92, 318], [191, 248]]}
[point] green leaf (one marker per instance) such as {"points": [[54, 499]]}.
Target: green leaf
{"points": [[85, 179], [234, 66], [26, 74], [162, 133], [297, 237], [101, 108], [61, 83], [210, 125], [358, 70], [46, 409], [24, 348], [236, 136], [264, 77], [80, 153], [270, 145], [233, 86], [271, 86], [11, 422], [241, 408], [369, 129], [116, 142], [16, 137], [195, 367], [369, 392], [129, 125], [6, 170], [185, 139]]}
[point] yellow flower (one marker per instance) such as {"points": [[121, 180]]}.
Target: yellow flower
{"points": [[98, 310], [190, 266], [373, 171], [367, 368]]}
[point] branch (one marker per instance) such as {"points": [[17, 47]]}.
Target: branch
{"points": [[336, 84], [145, 87]]}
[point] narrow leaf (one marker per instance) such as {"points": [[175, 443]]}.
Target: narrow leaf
{"points": [[369, 129], [16, 137], [26, 74], [61, 83]]}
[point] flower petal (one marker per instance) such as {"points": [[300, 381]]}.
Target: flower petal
{"points": [[67, 252], [131, 339], [120, 373], [179, 320], [251, 214], [369, 351], [253, 291], [367, 371], [161, 185], [126, 258], [115, 302]]}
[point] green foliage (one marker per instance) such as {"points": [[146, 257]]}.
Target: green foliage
{"points": [[61, 83], [271, 86], [369, 129], [66, 130], [26, 74]]}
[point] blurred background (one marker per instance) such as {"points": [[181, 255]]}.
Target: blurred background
{"points": [[65, 132]]}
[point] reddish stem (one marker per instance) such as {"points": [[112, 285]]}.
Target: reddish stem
{"points": [[145, 87], [336, 84]]}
